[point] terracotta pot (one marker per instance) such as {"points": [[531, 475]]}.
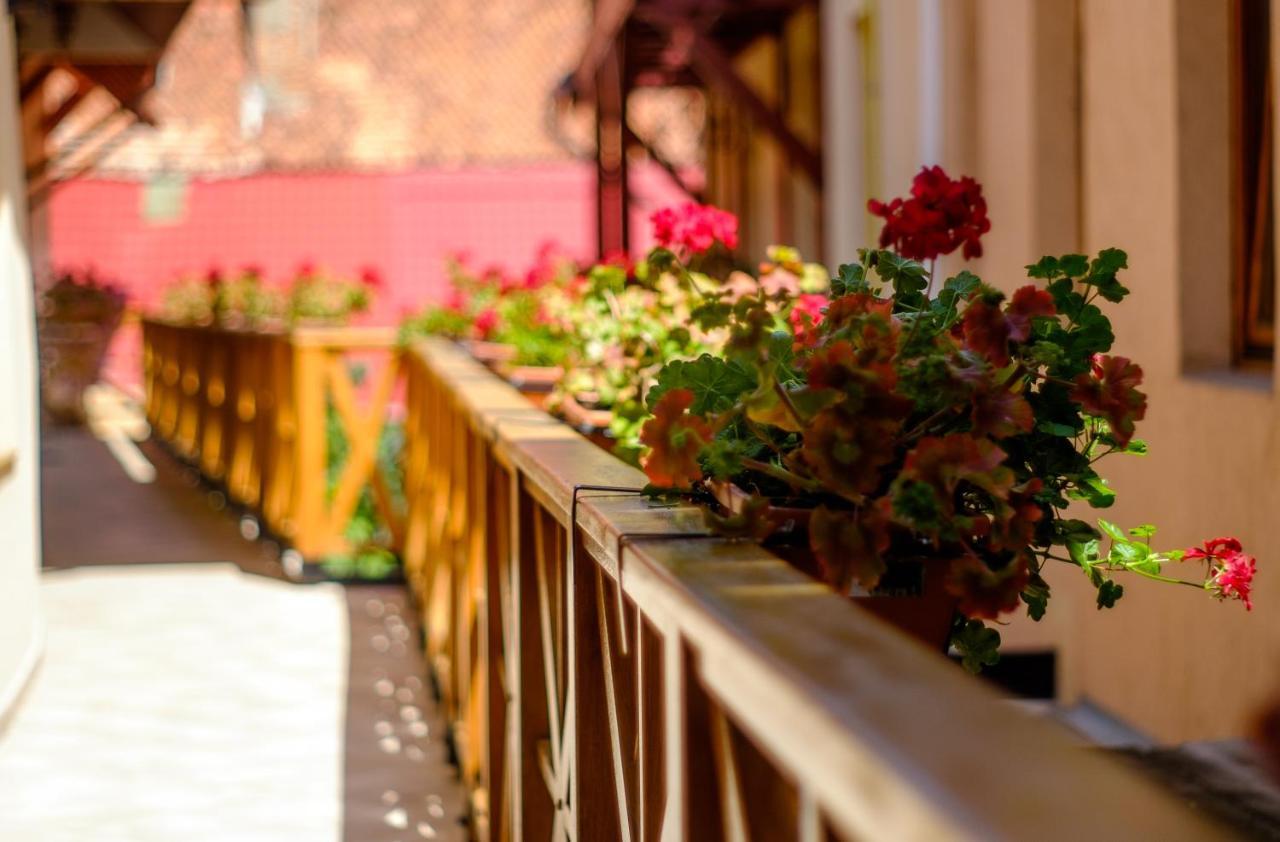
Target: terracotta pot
{"points": [[489, 353], [912, 596], [592, 423], [535, 382]]}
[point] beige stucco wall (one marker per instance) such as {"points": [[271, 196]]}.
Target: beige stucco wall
{"points": [[19, 529], [1097, 123], [1140, 161], [1156, 181]]}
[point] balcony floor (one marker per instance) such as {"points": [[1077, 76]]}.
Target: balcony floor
{"points": [[189, 691]]}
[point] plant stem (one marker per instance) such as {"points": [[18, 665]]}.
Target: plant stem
{"points": [[781, 392], [780, 473]]}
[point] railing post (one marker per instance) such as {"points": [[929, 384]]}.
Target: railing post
{"points": [[310, 534]]}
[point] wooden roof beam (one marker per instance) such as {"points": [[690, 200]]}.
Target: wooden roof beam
{"points": [[715, 68]]}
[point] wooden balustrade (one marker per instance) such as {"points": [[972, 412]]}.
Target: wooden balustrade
{"points": [[249, 409], [612, 672]]}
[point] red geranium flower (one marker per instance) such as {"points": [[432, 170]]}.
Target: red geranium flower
{"points": [[1109, 392], [371, 277], [940, 216], [486, 322], [806, 314], [1231, 570], [694, 228]]}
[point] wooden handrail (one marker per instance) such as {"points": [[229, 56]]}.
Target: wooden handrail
{"points": [[695, 688], [249, 408]]}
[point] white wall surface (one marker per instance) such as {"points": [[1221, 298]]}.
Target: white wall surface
{"points": [[20, 626]]}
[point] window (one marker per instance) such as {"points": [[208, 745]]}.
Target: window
{"points": [[1254, 297]]}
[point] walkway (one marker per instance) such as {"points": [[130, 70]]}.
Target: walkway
{"points": [[190, 692]]}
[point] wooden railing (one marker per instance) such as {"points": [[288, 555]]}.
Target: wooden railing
{"points": [[612, 672], [249, 408]]}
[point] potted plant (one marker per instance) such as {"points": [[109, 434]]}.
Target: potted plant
{"points": [[922, 449], [635, 318], [316, 297], [78, 314], [505, 319]]}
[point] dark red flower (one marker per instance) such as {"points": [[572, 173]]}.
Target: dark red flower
{"points": [[940, 216], [987, 331], [1027, 303], [999, 413], [1109, 392], [694, 228], [985, 593]]}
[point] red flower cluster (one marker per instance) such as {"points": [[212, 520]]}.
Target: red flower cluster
{"points": [[1230, 569], [486, 322], [941, 216], [371, 277], [694, 228]]}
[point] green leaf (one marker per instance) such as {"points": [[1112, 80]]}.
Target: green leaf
{"points": [[1146, 530], [1112, 530], [1137, 447], [1084, 553], [1093, 489], [711, 315], [978, 646], [1046, 268], [1109, 593], [716, 383], [907, 277], [1036, 596], [850, 278], [1068, 530], [1102, 274], [1074, 265]]}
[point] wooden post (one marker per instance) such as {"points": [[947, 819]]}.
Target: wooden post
{"points": [[310, 534]]}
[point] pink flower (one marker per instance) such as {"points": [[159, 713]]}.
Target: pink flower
{"points": [[486, 322], [694, 228], [1235, 579], [1231, 570], [806, 314]]}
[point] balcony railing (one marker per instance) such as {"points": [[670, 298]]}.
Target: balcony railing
{"points": [[615, 673], [611, 670], [250, 408]]}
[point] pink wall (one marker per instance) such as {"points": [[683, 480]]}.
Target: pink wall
{"points": [[401, 224]]}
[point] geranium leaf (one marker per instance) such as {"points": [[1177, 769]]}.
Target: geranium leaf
{"points": [[978, 646], [850, 278], [716, 383]]}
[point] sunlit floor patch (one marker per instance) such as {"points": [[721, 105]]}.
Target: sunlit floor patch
{"points": [[180, 702]]}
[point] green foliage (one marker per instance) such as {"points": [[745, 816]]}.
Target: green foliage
{"points": [[978, 645], [716, 383]]}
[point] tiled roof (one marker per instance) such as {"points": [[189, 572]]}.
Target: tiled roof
{"points": [[358, 85]]}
